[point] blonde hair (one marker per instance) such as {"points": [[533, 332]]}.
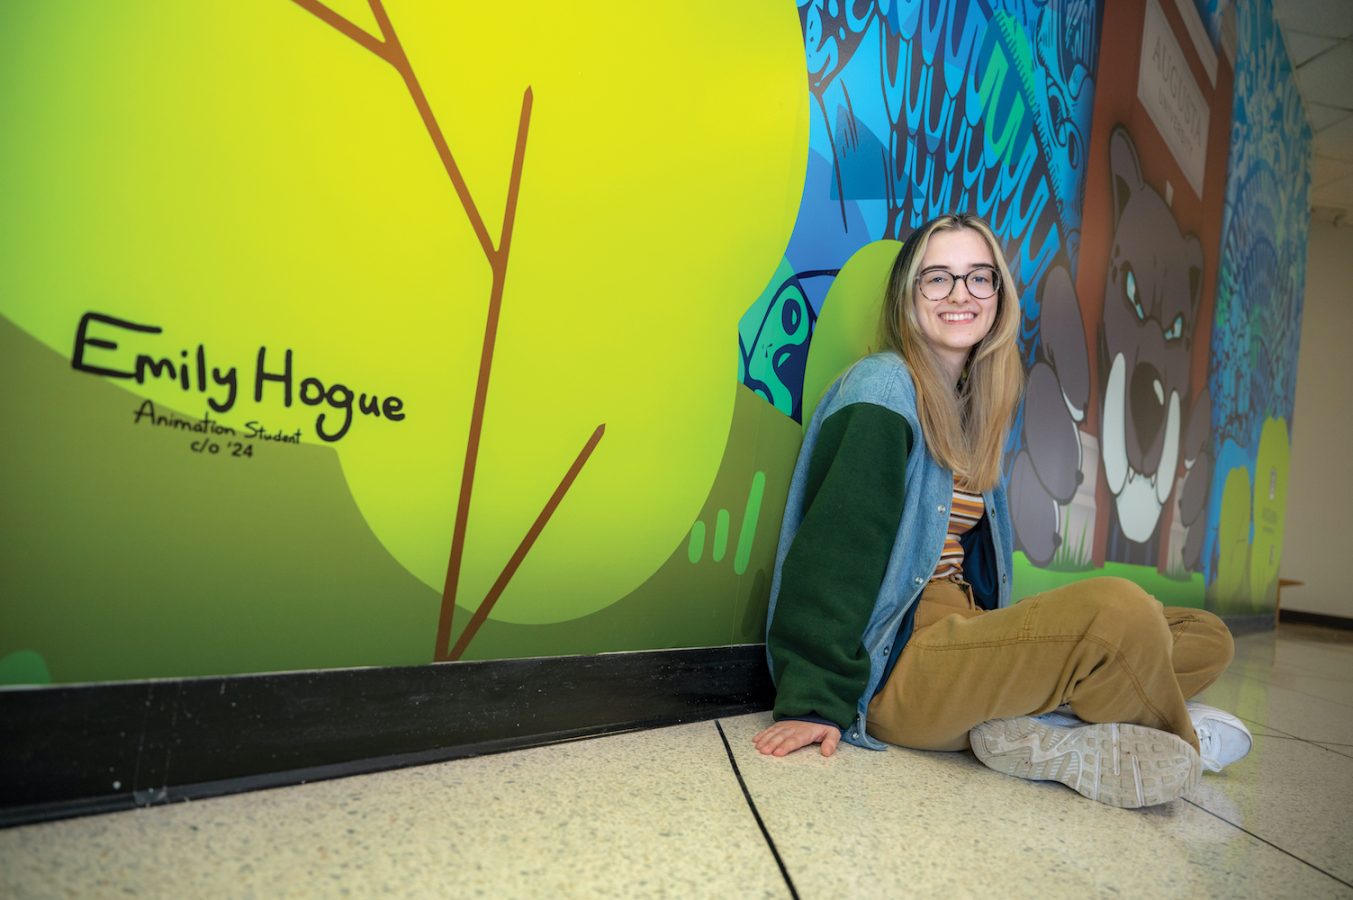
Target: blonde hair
{"points": [[965, 430]]}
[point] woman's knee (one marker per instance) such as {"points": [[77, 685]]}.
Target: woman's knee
{"points": [[1123, 606], [1209, 628]]}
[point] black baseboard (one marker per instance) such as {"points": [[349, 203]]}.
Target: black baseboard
{"points": [[1250, 624], [1296, 616], [70, 751]]}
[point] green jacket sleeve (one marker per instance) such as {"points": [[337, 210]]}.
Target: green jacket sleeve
{"points": [[834, 567]]}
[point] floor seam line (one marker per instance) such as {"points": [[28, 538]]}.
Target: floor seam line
{"points": [[756, 814], [1266, 683], [1305, 862], [1314, 743], [1280, 733], [1287, 735]]}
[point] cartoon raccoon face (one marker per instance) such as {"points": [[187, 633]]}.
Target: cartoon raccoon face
{"points": [[1150, 305]]}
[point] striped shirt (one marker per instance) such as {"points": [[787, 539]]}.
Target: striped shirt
{"points": [[964, 512]]}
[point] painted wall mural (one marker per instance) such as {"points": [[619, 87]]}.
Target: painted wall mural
{"points": [[1136, 342], [1258, 325], [920, 108], [373, 333]]}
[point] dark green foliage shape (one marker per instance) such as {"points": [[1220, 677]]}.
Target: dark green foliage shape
{"points": [[126, 555]]}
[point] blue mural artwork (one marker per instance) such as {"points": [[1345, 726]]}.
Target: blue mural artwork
{"points": [[1211, 12], [1258, 312], [920, 108]]}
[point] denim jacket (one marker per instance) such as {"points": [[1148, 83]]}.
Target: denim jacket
{"points": [[883, 379]]}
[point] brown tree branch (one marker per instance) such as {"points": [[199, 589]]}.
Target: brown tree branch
{"points": [[498, 261], [514, 181], [329, 17], [392, 51], [400, 60], [389, 49], [524, 547]]}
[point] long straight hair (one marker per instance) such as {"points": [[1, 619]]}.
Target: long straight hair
{"points": [[965, 429]]}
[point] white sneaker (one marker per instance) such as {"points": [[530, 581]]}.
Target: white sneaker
{"points": [[1121, 765], [1223, 738]]}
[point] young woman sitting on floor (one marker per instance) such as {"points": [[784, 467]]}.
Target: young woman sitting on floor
{"points": [[891, 617]]}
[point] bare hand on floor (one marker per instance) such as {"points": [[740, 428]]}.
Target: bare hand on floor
{"points": [[787, 736]]}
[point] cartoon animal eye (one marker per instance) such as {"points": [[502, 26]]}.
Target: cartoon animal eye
{"points": [[1130, 288], [1176, 329]]}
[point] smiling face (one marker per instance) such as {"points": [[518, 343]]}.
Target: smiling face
{"points": [[953, 326]]}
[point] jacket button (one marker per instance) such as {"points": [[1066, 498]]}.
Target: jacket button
{"points": [[939, 509], [918, 580]]}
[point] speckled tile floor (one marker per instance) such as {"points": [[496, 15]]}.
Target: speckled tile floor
{"points": [[665, 813]]}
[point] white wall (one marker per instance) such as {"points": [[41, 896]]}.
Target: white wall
{"points": [[1318, 533]]}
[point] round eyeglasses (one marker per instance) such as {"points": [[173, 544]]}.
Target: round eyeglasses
{"points": [[937, 284]]}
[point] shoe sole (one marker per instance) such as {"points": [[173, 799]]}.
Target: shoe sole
{"points": [[1127, 766]]}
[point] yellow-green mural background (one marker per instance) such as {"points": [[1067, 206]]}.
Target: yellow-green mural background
{"points": [[258, 181], [380, 333]]}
